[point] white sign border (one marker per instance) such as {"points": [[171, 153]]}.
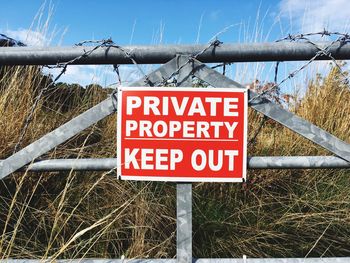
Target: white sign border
{"points": [[183, 179]]}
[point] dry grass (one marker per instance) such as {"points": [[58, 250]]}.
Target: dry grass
{"points": [[75, 214], [284, 213]]}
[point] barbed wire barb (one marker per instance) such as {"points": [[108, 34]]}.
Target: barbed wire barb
{"points": [[322, 52], [108, 43]]}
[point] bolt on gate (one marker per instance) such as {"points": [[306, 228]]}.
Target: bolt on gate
{"points": [[181, 63]]}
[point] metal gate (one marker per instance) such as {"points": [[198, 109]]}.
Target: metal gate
{"points": [[182, 67]]}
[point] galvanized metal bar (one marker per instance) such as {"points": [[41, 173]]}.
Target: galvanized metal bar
{"points": [[184, 78], [296, 162], [199, 260], [56, 137], [184, 190], [83, 260], [100, 164], [74, 126], [277, 113], [255, 162], [158, 54], [184, 222]]}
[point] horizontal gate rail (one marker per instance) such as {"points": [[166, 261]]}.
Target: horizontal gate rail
{"points": [[159, 54], [199, 260], [74, 126], [255, 162], [185, 66], [277, 113]]}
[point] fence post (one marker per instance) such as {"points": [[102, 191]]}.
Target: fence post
{"points": [[184, 190], [184, 222]]}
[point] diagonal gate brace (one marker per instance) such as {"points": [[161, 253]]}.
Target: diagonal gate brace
{"points": [[277, 113], [184, 190], [200, 70], [77, 124]]}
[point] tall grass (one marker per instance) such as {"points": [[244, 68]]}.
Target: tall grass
{"points": [[283, 213], [71, 214], [277, 213]]}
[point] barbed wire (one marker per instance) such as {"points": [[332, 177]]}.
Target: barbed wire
{"points": [[116, 70], [342, 38], [64, 66], [107, 43], [104, 43], [6, 41], [211, 44], [223, 66]]}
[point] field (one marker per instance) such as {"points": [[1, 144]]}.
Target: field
{"points": [[276, 213]]}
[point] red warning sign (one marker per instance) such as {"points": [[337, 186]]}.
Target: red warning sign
{"points": [[182, 134]]}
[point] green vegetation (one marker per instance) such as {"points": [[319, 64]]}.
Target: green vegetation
{"points": [[277, 213]]}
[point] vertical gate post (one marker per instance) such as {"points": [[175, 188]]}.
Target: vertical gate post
{"points": [[184, 222], [184, 190]]}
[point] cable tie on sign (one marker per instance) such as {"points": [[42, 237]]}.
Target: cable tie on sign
{"points": [[115, 99]]}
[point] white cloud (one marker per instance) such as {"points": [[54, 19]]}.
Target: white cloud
{"points": [[311, 15], [76, 74], [81, 74], [28, 37]]}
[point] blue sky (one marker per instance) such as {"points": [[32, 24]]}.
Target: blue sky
{"points": [[141, 22], [167, 22]]}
